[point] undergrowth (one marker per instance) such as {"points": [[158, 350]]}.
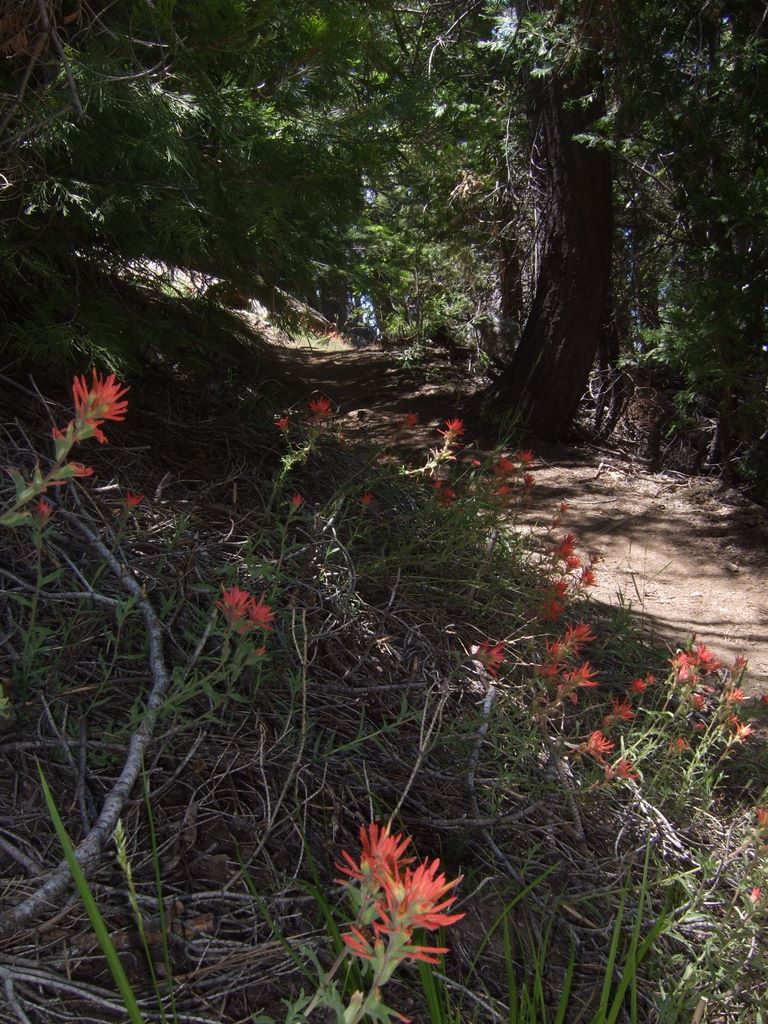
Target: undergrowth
{"points": [[227, 654]]}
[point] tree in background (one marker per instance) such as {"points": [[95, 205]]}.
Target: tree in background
{"points": [[571, 185], [544, 181]]}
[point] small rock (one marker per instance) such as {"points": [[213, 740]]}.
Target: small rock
{"points": [[731, 567]]}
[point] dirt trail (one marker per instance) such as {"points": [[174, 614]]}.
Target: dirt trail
{"points": [[686, 554]]}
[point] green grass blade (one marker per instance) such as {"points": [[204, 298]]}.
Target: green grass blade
{"points": [[94, 915], [600, 1015], [432, 993], [159, 897], [513, 1000], [562, 1006]]}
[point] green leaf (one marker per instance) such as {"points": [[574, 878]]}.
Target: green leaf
{"points": [[94, 915]]}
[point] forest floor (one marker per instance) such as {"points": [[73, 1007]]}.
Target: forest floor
{"points": [[684, 554]]}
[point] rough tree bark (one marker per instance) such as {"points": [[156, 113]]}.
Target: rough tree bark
{"points": [[550, 367]]}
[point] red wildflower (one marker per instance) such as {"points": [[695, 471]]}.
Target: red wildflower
{"points": [[528, 481], [382, 854], [622, 712], [489, 656], [588, 578], [78, 469], [297, 500], [581, 676], [706, 659], [367, 499], [43, 510], [132, 500], [697, 699], [320, 408], [234, 604], [260, 614], [103, 400], [622, 769], [502, 490], [551, 609], [410, 421], [756, 895], [572, 562], [597, 746], [504, 466], [414, 899], [734, 695], [526, 457], [762, 818], [764, 698], [359, 944], [699, 726], [564, 547], [685, 667], [556, 650], [444, 494], [283, 423], [740, 729], [454, 429], [243, 611], [638, 686], [678, 745], [553, 604], [739, 665]]}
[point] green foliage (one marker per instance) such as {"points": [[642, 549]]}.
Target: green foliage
{"points": [[222, 138]]}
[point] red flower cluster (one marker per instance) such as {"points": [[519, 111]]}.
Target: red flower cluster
{"points": [[622, 712], [43, 510], [444, 493], [94, 404], [597, 746], [621, 769], [320, 408], [490, 656], [243, 612], [453, 430], [690, 666], [640, 685], [395, 899], [559, 659]]}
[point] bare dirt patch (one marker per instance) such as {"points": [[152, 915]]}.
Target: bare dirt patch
{"points": [[687, 554]]}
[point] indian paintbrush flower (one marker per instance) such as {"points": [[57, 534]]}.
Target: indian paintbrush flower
{"points": [[243, 612], [453, 430], [320, 408], [597, 746], [490, 656], [95, 403]]}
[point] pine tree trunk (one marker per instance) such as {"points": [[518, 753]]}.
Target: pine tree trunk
{"points": [[550, 367]]}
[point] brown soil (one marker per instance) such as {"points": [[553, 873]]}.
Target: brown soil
{"points": [[687, 554]]}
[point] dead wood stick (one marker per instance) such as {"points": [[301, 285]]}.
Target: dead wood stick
{"points": [[88, 851]]}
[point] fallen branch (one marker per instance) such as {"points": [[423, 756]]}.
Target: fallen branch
{"points": [[89, 850]]}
